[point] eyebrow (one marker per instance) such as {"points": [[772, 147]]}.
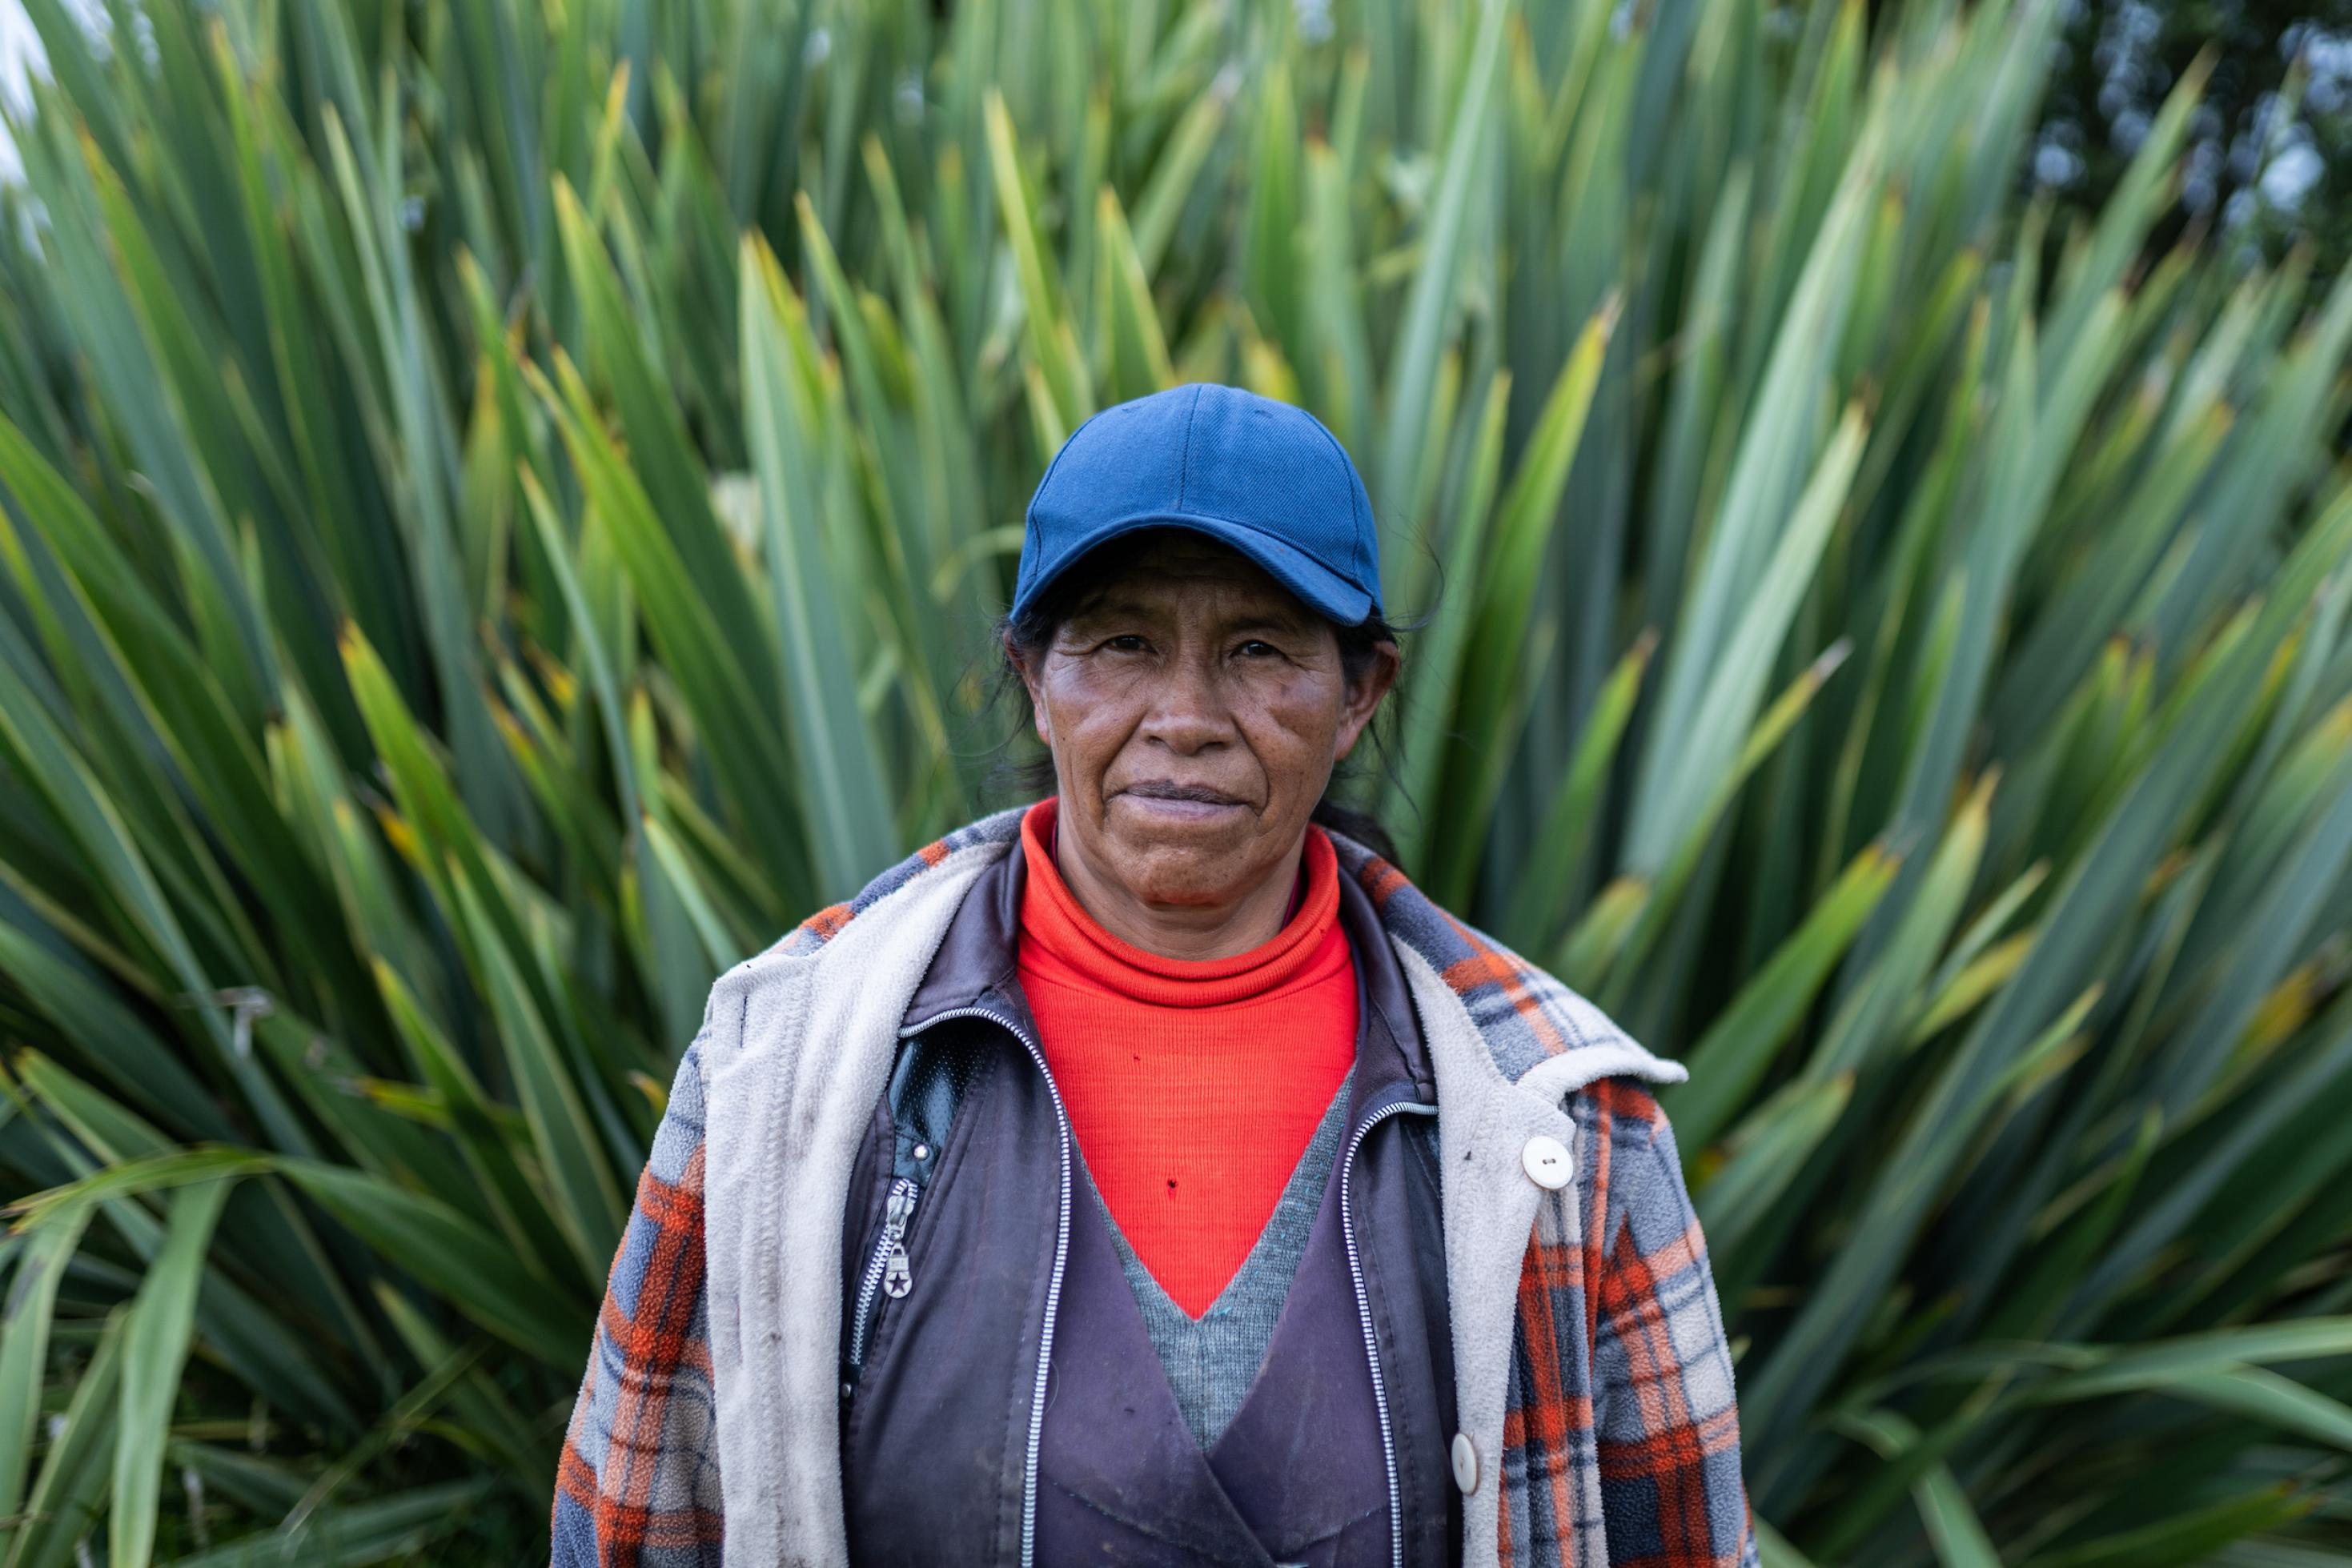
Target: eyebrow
{"points": [[1099, 607], [1269, 622]]}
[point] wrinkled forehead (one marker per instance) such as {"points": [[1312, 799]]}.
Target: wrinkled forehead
{"points": [[1176, 570]]}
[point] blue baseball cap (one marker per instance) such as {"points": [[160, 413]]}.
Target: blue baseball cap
{"points": [[1260, 476]]}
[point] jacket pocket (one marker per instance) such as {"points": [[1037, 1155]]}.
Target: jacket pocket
{"points": [[886, 1276]]}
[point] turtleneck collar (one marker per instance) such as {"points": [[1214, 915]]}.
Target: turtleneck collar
{"points": [[1300, 953]]}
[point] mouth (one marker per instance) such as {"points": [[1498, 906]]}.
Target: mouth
{"points": [[1166, 797]]}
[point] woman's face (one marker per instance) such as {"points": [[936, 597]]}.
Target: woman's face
{"points": [[1194, 708]]}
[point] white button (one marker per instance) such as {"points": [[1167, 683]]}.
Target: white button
{"points": [[1465, 1462], [1547, 1162]]}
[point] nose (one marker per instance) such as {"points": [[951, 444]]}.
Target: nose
{"points": [[1188, 714]]}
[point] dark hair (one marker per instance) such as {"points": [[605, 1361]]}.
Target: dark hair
{"points": [[1030, 632]]}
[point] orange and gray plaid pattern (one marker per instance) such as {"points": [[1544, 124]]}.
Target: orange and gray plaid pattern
{"points": [[1620, 1440], [638, 1479], [1621, 1435], [1644, 1425]]}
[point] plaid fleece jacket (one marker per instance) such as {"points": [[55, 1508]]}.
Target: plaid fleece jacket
{"points": [[1615, 1263]]}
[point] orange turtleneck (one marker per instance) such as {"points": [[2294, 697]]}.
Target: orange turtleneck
{"points": [[1193, 1085]]}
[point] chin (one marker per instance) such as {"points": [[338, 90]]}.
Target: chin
{"points": [[1184, 867], [1182, 891]]}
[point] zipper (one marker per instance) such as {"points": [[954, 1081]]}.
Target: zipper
{"points": [[1053, 1282], [887, 1270], [1364, 1313]]}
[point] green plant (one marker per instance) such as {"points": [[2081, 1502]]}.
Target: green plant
{"points": [[500, 507]]}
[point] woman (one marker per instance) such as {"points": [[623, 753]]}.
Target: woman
{"points": [[1152, 1173]]}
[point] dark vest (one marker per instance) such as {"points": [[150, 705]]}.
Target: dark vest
{"points": [[949, 1245]]}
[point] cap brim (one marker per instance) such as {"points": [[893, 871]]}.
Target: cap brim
{"points": [[1325, 592]]}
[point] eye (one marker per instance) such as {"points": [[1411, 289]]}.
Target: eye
{"points": [[1254, 649], [1124, 643]]}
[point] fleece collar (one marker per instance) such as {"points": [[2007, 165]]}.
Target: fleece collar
{"points": [[1536, 1031]]}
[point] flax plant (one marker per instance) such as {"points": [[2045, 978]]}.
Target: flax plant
{"points": [[501, 508]]}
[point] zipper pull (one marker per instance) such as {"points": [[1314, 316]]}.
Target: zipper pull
{"points": [[897, 1279]]}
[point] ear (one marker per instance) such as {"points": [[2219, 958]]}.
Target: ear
{"points": [[1364, 694], [1029, 675]]}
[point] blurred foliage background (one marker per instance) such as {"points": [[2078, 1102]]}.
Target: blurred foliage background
{"points": [[501, 508], [2270, 143]]}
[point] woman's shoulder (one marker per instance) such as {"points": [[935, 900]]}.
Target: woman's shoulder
{"points": [[982, 839], [759, 1005], [1539, 1031]]}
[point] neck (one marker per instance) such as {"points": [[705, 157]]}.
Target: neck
{"points": [[1188, 931]]}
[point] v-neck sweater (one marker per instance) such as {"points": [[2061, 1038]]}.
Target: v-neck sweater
{"points": [[1211, 1360], [1193, 1086]]}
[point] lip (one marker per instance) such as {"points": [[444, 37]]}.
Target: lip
{"points": [[1173, 810], [1196, 804]]}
